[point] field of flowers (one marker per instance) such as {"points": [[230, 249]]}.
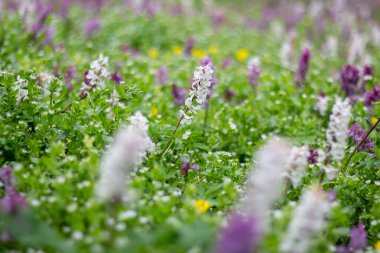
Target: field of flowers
{"points": [[189, 126]]}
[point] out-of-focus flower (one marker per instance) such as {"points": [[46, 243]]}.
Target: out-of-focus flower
{"points": [[330, 48], [338, 126], [308, 220], [349, 78], [322, 103], [213, 50], [372, 96], [358, 238], [264, 182], [226, 63], [154, 112], [116, 77], [153, 53], [229, 94], [202, 205], [331, 195], [187, 166], [96, 76], [12, 202], [241, 235], [242, 54], [189, 46], [253, 71], [162, 77], [92, 27], [70, 75], [296, 164], [127, 152], [218, 18], [20, 86], [7, 178], [357, 134], [377, 245], [313, 156], [179, 94], [198, 53], [177, 50], [303, 67]]}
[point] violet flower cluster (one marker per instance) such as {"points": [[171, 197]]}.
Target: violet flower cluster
{"points": [[357, 134]]}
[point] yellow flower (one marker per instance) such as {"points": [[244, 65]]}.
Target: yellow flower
{"points": [[213, 50], [153, 53], [373, 121], [242, 54], [377, 245], [177, 50], [154, 112], [202, 205], [200, 54]]}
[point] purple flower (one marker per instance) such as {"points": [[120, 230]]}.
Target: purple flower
{"points": [[179, 94], [226, 63], [43, 12], [92, 27], [162, 77], [358, 238], [357, 134], [206, 61], [367, 70], [7, 177], [12, 202], [49, 33], [349, 78], [229, 94], [64, 8], [303, 67], [331, 195], [126, 48], [372, 96], [70, 75], [218, 18], [186, 166], [253, 73], [240, 236], [189, 46], [116, 77], [313, 155]]}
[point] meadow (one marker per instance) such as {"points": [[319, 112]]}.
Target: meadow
{"points": [[189, 126]]}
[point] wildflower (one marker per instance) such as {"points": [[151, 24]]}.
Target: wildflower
{"points": [[253, 71], [198, 53], [241, 235], [7, 178], [116, 77], [377, 245], [357, 134], [202, 205], [264, 182], [92, 26], [199, 91], [70, 75], [96, 76], [312, 158], [242, 54], [127, 152], [358, 238], [204, 62], [373, 121], [162, 76], [154, 112], [287, 50], [186, 166], [177, 50], [218, 18], [20, 86], [179, 94], [322, 103], [153, 53], [330, 172], [338, 126], [372, 96], [114, 100], [349, 78], [296, 164], [44, 79], [12, 203], [308, 220], [213, 50], [42, 12], [303, 67], [189, 46], [367, 71], [331, 195], [330, 48], [226, 63]]}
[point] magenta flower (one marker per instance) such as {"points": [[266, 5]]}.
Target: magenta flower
{"points": [[7, 177], [303, 67], [179, 94], [372, 96], [240, 236], [12, 202], [116, 77], [92, 26], [358, 238], [367, 70], [349, 78], [189, 46], [357, 134], [162, 77], [187, 166], [313, 156]]}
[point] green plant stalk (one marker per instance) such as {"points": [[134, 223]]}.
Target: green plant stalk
{"points": [[359, 145]]}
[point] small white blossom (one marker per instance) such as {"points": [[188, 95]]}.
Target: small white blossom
{"points": [[296, 164], [308, 220], [126, 153], [322, 103], [330, 171], [186, 135], [97, 75], [21, 87], [338, 126]]}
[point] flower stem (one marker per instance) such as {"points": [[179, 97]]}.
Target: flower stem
{"points": [[359, 145]]}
